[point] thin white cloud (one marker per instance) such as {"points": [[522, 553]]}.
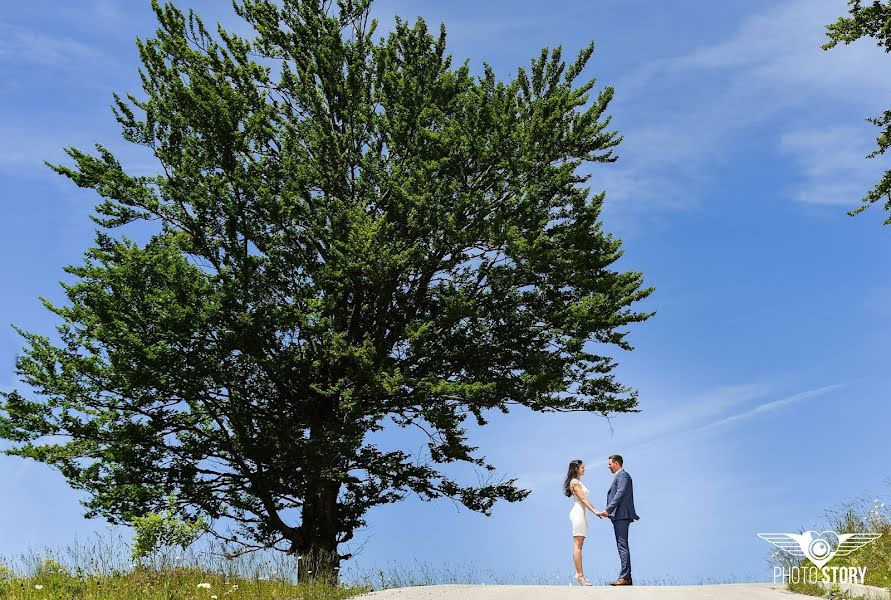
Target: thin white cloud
{"points": [[684, 420], [24, 150], [110, 17], [18, 44], [461, 33], [679, 415], [767, 407], [779, 51], [684, 431], [637, 196], [687, 114], [833, 164], [652, 427]]}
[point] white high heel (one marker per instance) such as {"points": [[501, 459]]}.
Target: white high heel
{"points": [[582, 580]]}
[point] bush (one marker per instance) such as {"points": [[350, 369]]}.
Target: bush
{"points": [[859, 515], [162, 533]]}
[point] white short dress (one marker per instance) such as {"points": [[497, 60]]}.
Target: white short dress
{"points": [[578, 515]]}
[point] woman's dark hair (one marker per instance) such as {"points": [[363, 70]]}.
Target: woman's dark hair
{"points": [[571, 474]]}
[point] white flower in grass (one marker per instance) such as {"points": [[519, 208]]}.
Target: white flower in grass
{"points": [[204, 585], [38, 587], [213, 597]]}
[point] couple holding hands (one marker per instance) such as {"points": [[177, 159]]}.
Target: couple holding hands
{"points": [[619, 509]]}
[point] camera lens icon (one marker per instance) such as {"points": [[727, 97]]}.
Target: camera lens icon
{"points": [[820, 549]]}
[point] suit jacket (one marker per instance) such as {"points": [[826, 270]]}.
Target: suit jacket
{"points": [[620, 498]]}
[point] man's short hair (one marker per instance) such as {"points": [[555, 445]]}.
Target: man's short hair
{"points": [[616, 459]]}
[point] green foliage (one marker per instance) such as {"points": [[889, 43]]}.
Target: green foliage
{"points": [[872, 20], [349, 234], [164, 532]]}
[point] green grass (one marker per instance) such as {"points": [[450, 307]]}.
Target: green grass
{"points": [[167, 584], [101, 570]]}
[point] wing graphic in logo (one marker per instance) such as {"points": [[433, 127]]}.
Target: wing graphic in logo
{"points": [[819, 548], [848, 542], [788, 542]]}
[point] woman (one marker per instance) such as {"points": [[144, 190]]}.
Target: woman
{"points": [[577, 516]]}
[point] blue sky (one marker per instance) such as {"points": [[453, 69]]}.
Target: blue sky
{"points": [[763, 377]]}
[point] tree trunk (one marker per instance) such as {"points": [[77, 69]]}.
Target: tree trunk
{"points": [[317, 534]]}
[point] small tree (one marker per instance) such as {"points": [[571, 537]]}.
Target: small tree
{"points": [[872, 21], [350, 234], [162, 533]]}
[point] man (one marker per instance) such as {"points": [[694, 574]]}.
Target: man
{"points": [[620, 510]]}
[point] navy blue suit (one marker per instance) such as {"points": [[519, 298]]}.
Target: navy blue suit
{"points": [[620, 508]]}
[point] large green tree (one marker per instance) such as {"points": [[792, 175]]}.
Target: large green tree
{"points": [[348, 234], [874, 21]]}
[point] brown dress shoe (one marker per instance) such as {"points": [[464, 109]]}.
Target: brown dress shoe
{"points": [[622, 581]]}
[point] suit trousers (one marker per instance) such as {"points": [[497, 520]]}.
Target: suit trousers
{"points": [[620, 526]]}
